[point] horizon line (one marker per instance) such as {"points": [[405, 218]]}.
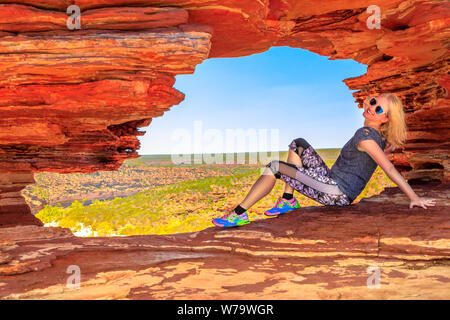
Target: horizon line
{"points": [[168, 154]]}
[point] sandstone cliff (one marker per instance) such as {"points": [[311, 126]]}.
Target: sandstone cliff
{"points": [[73, 100], [311, 253]]}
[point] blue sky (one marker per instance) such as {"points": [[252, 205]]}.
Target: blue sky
{"points": [[275, 96]]}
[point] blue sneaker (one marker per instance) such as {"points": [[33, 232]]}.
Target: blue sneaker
{"points": [[232, 219], [283, 206]]}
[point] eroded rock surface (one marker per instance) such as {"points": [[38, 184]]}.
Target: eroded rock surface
{"points": [[73, 100], [312, 253]]}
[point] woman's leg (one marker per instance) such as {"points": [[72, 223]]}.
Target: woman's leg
{"points": [[260, 189], [312, 178], [293, 157], [310, 182], [238, 216], [266, 181]]}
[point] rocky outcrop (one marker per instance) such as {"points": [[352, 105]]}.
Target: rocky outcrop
{"points": [[311, 253], [73, 100], [13, 208]]}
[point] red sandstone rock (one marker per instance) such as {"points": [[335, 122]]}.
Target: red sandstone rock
{"points": [[311, 253], [22, 18], [118, 70], [13, 208]]}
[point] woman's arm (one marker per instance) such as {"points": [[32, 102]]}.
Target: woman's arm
{"points": [[378, 155], [389, 149], [398, 179]]}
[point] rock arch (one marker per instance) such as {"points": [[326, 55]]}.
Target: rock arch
{"points": [[72, 101]]}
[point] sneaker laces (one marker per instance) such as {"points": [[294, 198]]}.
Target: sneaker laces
{"points": [[229, 212], [281, 202]]}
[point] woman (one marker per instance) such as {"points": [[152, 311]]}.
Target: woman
{"points": [[306, 172]]}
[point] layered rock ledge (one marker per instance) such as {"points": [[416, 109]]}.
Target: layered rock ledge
{"points": [[311, 253], [73, 100]]}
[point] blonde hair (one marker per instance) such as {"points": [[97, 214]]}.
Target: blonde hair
{"points": [[395, 129]]}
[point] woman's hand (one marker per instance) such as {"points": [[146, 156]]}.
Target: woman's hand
{"points": [[422, 202]]}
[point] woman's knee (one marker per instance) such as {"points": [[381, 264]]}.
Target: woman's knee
{"points": [[274, 166], [300, 142], [298, 145]]}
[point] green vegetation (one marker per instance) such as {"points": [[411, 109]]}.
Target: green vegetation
{"points": [[182, 206]]}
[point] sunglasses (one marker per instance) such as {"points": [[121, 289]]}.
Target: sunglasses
{"points": [[378, 109]]}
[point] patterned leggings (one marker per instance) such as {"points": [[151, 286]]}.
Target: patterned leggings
{"points": [[312, 179]]}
